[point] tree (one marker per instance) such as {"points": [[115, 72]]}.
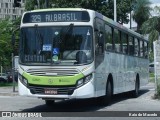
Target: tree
{"points": [[141, 12], [6, 48], [5, 37], [16, 24], [30, 4], [152, 27]]}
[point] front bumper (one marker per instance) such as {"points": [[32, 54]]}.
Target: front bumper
{"points": [[85, 91]]}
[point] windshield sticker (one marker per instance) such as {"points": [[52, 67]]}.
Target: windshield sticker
{"points": [[55, 58], [47, 47], [55, 51], [88, 33]]}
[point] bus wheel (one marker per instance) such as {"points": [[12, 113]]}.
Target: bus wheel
{"points": [[135, 92], [49, 102], [105, 100]]}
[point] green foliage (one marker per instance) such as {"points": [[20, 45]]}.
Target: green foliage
{"points": [[6, 28], [16, 24], [141, 12], [30, 4], [151, 75], [151, 27], [123, 9], [5, 46], [7, 84], [151, 56], [151, 24]]}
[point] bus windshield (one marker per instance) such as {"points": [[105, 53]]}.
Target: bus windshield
{"points": [[56, 45]]}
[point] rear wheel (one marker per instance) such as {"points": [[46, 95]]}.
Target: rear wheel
{"points": [[135, 92], [105, 100], [49, 102]]}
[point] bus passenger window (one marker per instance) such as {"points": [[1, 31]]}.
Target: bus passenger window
{"points": [[101, 41], [124, 43], [131, 45], [141, 48], [136, 49], [145, 49], [116, 37], [108, 40]]}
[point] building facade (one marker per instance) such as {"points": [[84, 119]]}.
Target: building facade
{"points": [[8, 11]]}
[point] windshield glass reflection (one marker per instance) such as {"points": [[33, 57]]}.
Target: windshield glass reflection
{"points": [[68, 45]]}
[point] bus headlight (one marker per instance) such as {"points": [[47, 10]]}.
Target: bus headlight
{"points": [[84, 80], [23, 80], [80, 83]]}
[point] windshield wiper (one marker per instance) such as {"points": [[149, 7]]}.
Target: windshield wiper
{"points": [[68, 30], [60, 38], [40, 38]]}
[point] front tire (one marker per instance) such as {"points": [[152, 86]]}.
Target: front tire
{"points": [[105, 100]]}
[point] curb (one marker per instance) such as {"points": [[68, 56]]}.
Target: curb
{"points": [[8, 94], [8, 91]]}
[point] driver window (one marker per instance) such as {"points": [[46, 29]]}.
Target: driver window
{"points": [[99, 37], [109, 39]]}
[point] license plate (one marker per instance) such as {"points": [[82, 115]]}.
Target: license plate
{"points": [[50, 91]]}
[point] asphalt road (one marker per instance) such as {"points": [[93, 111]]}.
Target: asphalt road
{"points": [[120, 102]]}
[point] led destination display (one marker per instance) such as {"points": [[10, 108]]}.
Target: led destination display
{"points": [[56, 16]]}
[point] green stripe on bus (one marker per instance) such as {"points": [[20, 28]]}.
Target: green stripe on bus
{"points": [[52, 80]]}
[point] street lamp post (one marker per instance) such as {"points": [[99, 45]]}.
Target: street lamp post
{"points": [[115, 11], [130, 18], [131, 7], [13, 67], [46, 3], [1, 67], [38, 4]]}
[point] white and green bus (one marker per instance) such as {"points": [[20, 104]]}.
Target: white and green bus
{"points": [[75, 53]]}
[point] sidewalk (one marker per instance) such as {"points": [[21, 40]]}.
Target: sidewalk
{"points": [[8, 91]]}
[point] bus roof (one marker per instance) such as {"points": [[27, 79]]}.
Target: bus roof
{"points": [[58, 9], [99, 15]]}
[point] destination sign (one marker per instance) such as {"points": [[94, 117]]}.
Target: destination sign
{"points": [[56, 16]]}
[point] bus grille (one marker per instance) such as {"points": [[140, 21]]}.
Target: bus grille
{"points": [[53, 71], [60, 90]]}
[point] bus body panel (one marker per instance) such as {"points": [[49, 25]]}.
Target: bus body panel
{"points": [[124, 70]]}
